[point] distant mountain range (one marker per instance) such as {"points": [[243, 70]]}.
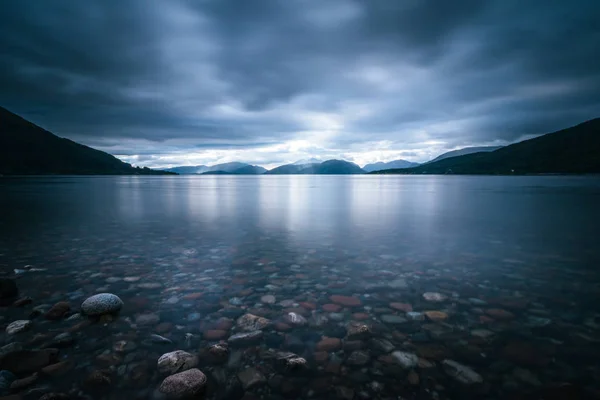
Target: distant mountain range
{"points": [[465, 151], [574, 150], [329, 167], [234, 168], [312, 160], [378, 166], [27, 149]]}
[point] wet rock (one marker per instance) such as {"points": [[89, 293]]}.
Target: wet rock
{"points": [[20, 384], [58, 311], [318, 321], [8, 288], [291, 362], [435, 352], [393, 319], [97, 380], [268, 299], [461, 373], [214, 334], [398, 284], [102, 303], [185, 384], [357, 331], [18, 326], [147, 319], [110, 360], [360, 316], [124, 346], [405, 307], [223, 324], [436, 316], [346, 301], [405, 359], [435, 297], [61, 340], [329, 344], [246, 338], [176, 361], [415, 316], [439, 331], [295, 319], [499, 314], [525, 353], [22, 302], [337, 317], [150, 285], [358, 358], [154, 338], [413, 378], [57, 369], [526, 376], [193, 317], [236, 301], [218, 353], [482, 333], [52, 395], [344, 393], [332, 308], [381, 346], [477, 302], [27, 361], [6, 379], [250, 323], [10, 348], [251, 377], [351, 345]]}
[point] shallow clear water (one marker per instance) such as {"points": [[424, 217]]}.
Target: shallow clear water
{"points": [[515, 258]]}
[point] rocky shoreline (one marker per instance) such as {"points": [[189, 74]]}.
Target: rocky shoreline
{"points": [[263, 329]]}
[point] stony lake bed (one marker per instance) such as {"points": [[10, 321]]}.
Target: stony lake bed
{"points": [[116, 310]]}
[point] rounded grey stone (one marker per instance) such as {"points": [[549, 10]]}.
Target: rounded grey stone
{"points": [[102, 303]]}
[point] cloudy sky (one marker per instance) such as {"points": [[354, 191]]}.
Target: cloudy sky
{"points": [[182, 82]]}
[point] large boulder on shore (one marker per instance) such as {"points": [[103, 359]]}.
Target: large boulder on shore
{"points": [[102, 303]]}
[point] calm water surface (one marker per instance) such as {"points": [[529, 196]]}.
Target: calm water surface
{"points": [[510, 266]]}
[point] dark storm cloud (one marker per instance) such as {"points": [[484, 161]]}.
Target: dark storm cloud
{"points": [[148, 78]]}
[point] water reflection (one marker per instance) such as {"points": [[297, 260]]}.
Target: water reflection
{"points": [[420, 215]]}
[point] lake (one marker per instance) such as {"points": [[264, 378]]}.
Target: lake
{"points": [[320, 287]]}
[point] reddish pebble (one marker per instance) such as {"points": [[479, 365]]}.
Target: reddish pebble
{"points": [[346, 301], [223, 324], [321, 357], [329, 344], [401, 307], [308, 306], [360, 316], [163, 327], [214, 334], [333, 368], [498, 313], [436, 316], [281, 327], [331, 308], [192, 296]]}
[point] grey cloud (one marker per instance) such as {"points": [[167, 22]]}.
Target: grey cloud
{"points": [[147, 78]]}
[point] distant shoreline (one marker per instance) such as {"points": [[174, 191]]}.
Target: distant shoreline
{"points": [[259, 175]]}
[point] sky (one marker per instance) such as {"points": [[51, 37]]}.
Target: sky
{"points": [[182, 82]]}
